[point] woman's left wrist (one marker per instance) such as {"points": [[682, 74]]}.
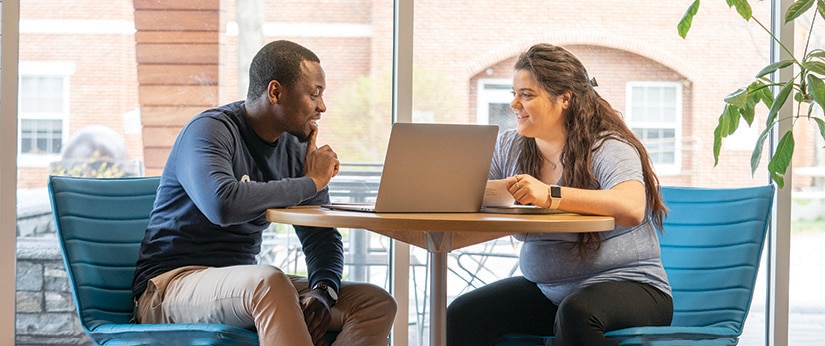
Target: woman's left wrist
{"points": [[553, 196]]}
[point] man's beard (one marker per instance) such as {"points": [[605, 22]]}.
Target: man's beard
{"points": [[302, 137]]}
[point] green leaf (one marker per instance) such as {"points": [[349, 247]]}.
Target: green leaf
{"points": [[742, 7], [728, 121], [781, 97], [821, 125], [756, 155], [820, 7], [816, 53], [687, 19], [717, 144], [733, 120], [815, 67], [748, 113], [797, 9], [723, 130], [773, 67], [738, 98], [798, 97], [781, 159], [816, 88], [761, 92], [754, 96]]}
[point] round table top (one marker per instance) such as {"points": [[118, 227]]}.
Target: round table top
{"points": [[465, 228]]}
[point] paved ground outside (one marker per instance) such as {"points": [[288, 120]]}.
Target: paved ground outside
{"points": [[807, 301]]}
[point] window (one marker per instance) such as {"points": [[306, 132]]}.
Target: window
{"points": [[494, 97], [43, 111], [463, 58], [654, 113]]}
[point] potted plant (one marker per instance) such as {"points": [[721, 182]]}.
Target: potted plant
{"points": [[806, 86]]}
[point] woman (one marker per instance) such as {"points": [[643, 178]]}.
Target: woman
{"points": [[571, 151]]}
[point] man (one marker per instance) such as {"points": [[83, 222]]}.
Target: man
{"points": [[227, 166]]}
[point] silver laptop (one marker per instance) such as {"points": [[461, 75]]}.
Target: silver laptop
{"points": [[433, 168]]}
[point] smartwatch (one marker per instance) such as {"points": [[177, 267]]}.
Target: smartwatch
{"points": [[554, 194], [328, 290]]}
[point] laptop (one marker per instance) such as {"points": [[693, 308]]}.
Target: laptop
{"points": [[498, 200], [433, 168]]}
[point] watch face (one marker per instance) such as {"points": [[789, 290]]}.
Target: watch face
{"points": [[555, 191], [332, 293]]}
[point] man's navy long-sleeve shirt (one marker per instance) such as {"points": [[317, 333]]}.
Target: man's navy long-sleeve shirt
{"points": [[214, 191]]}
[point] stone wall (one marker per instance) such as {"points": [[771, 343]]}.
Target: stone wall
{"points": [[45, 309]]}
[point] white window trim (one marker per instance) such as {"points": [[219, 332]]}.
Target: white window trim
{"points": [[44, 68], [661, 169]]}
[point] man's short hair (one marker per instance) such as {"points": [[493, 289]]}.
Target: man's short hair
{"points": [[278, 60]]}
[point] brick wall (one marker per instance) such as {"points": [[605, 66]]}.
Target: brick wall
{"points": [[184, 59], [103, 87]]}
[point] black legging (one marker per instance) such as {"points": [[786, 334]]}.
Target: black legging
{"points": [[515, 305]]}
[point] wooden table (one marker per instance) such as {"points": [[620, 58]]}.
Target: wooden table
{"points": [[440, 233]]}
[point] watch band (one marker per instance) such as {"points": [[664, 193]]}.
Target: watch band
{"points": [[554, 195], [328, 290]]}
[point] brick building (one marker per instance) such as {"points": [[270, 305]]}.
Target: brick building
{"points": [[144, 67]]}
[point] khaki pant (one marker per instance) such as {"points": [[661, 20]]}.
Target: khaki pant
{"points": [[263, 298]]}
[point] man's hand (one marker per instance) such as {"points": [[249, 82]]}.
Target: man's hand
{"points": [[321, 164], [317, 315]]}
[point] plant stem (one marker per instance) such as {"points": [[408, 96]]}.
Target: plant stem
{"points": [[810, 30], [777, 40]]}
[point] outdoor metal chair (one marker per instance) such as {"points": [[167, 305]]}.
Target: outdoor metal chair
{"points": [[100, 224], [711, 249]]}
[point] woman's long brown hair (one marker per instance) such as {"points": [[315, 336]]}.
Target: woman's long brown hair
{"points": [[588, 122]]}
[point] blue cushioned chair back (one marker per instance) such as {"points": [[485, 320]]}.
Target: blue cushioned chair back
{"points": [[711, 249], [100, 224]]}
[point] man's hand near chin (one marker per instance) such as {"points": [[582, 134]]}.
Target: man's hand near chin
{"points": [[317, 316], [321, 164]]}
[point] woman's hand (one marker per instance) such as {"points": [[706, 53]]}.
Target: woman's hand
{"points": [[528, 190]]}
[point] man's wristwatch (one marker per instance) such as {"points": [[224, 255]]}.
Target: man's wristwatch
{"points": [[554, 194], [328, 290]]}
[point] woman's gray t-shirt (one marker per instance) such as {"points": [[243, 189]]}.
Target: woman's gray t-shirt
{"points": [[626, 253]]}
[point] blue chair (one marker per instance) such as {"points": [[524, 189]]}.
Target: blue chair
{"points": [[100, 224], [711, 250]]}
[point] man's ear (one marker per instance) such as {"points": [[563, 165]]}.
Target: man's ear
{"points": [[274, 91]]}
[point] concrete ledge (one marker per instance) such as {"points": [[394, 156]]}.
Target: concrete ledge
{"points": [[38, 249]]}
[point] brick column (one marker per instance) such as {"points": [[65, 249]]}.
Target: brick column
{"points": [[177, 50]]}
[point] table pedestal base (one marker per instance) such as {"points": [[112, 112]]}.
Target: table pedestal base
{"points": [[438, 245]]}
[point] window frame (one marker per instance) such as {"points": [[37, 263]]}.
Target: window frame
{"points": [[676, 125], [487, 96], [28, 69]]}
